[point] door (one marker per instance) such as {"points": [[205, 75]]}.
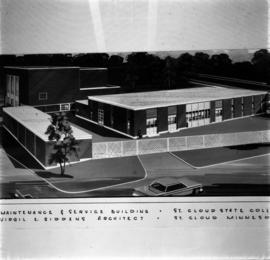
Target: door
{"points": [[151, 126], [172, 123]]}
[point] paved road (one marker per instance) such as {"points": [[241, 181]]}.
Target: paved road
{"points": [[10, 172], [255, 170], [254, 123]]}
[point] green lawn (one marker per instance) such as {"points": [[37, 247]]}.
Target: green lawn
{"points": [[205, 157]]}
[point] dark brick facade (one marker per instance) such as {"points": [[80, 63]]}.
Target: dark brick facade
{"points": [[247, 108], [162, 118], [226, 109], [212, 111], [60, 84], [181, 116], [237, 107], [93, 77]]}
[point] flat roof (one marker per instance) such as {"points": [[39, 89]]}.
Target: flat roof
{"points": [[93, 68], [40, 67], [164, 98], [100, 87], [37, 121], [82, 101]]}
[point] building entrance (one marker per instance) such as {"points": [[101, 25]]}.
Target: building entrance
{"points": [[151, 126], [198, 114]]}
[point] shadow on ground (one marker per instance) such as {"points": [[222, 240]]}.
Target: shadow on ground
{"points": [[17, 153], [236, 189], [249, 146], [48, 175]]}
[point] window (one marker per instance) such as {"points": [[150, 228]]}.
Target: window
{"points": [[101, 116], [218, 112], [42, 96], [65, 107], [198, 114], [128, 126], [158, 186], [172, 119], [151, 126], [172, 126], [12, 87], [188, 115], [151, 122], [112, 117], [174, 187], [128, 121]]}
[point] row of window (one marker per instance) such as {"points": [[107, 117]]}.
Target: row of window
{"points": [[12, 87], [151, 122], [101, 119], [12, 83], [198, 115], [54, 108], [101, 116], [12, 97], [218, 112], [197, 106]]}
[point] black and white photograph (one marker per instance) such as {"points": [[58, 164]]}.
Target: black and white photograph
{"points": [[135, 124], [135, 102]]}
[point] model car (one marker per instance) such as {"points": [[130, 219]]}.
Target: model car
{"points": [[169, 186]]}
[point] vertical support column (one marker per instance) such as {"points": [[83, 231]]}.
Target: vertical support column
{"points": [[262, 134], [122, 150], [137, 147], [162, 118], [107, 150], [203, 141], [168, 144]]}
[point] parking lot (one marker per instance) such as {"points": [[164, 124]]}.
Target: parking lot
{"points": [[254, 123], [243, 165], [239, 165]]}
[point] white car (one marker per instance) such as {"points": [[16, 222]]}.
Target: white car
{"points": [[169, 186]]}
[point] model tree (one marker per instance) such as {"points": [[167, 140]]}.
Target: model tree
{"points": [[65, 145]]}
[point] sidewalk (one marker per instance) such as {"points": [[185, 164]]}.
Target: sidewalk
{"points": [[254, 123], [9, 172]]}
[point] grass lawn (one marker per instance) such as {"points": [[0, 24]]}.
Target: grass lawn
{"points": [[94, 174], [205, 157]]}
